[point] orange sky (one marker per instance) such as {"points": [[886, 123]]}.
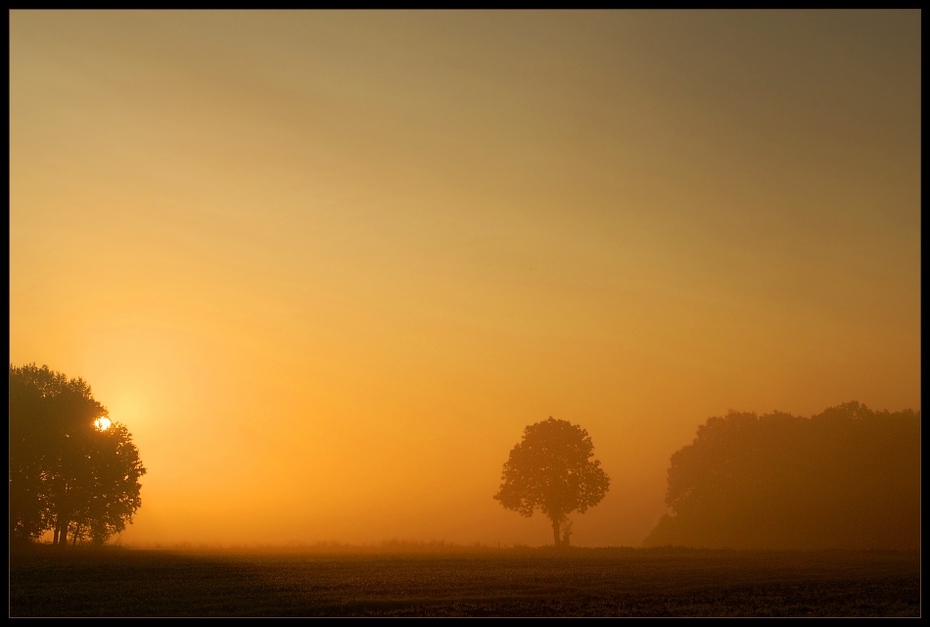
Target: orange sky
{"points": [[327, 266]]}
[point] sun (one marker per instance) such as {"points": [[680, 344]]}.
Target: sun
{"points": [[102, 423]]}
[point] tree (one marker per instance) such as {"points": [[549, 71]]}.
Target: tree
{"points": [[70, 471], [846, 478], [550, 469]]}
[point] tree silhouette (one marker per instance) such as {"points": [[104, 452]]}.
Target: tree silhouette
{"points": [[66, 475], [846, 478], [550, 469]]}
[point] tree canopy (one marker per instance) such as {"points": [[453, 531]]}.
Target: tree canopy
{"points": [[846, 478], [69, 473], [551, 470]]}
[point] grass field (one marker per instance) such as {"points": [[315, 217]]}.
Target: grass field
{"points": [[464, 582]]}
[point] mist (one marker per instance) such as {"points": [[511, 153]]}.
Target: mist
{"points": [[327, 266]]}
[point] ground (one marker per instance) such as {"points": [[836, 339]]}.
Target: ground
{"points": [[464, 582]]}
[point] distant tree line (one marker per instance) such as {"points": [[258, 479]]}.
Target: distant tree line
{"points": [[846, 478], [72, 471]]}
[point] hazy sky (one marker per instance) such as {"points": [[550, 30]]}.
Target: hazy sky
{"points": [[326, 266]]}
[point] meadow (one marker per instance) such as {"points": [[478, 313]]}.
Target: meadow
{"points": [[457, 581]]}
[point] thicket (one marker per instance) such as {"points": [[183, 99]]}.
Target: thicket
{"points": [[846, 478]]}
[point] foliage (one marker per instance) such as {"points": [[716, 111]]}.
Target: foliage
{"points": [[846, 478], [66, 475], [551, 470]]}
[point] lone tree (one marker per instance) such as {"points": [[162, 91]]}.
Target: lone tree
{"points": [[72, 471], [551, 470]]}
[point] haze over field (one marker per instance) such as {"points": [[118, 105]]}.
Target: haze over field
{"points": [[326, 266]]}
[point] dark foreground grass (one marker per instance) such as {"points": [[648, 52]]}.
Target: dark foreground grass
{"points": [[501, 582]]}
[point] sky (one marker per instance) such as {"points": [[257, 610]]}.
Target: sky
{"points": [[327, 266]]}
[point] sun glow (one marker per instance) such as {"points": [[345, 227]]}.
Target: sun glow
{"points": [[481, 235]]}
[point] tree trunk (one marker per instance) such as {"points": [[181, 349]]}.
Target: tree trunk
{"points": [[555, 531], [63, 534]]}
